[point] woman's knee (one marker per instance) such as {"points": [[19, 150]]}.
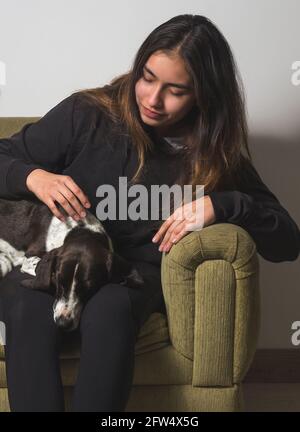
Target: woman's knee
{"points": [[24, 307], [110, 304]]}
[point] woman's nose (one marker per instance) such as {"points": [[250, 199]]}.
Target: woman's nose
{"points": [[155, 100]]}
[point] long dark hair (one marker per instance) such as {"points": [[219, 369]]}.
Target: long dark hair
{"points": [[218, 132]]}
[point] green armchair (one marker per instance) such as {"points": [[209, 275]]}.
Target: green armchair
{"points": [[194, 357]]}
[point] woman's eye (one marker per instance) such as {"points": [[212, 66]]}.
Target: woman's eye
{"points": [[178, 94], [148, 80], [175, 94]]}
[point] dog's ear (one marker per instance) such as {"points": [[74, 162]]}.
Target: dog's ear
{"points": [[45, 269], [123, 272], [133, 279]]}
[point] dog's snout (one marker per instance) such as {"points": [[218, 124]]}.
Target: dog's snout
{"points": [[64, 322], [66, 313]]}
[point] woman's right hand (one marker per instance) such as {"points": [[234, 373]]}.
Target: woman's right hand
{"points": [[49, 187]]}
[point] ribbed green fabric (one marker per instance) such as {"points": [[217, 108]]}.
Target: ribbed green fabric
{"points": [[182, 398], [10, 125], [214, 332], [195, 358], [185, 398], [211, 289]]}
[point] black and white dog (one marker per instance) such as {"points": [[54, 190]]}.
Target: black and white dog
{"points": [[70, 259]]}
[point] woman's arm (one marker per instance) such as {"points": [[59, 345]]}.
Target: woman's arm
{"points": [[255, 208], [45, 144]]}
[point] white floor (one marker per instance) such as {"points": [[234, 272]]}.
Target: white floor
{"points": [[278, 397]]}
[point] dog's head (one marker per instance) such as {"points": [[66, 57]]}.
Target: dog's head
{"points": [[74, 272]]}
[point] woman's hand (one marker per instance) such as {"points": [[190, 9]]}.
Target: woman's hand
{"points": [[185, 218], [49, 187]]}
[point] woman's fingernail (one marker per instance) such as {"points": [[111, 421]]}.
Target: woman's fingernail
{"points": [[154, 239], [87, 204], [83, 214]]}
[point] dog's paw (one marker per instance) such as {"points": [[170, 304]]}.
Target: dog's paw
{"points": [[5, 265], [29, 265]]}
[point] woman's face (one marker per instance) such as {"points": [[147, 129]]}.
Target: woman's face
{"points": [[166, 89]]}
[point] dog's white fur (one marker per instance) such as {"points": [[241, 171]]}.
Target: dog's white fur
{"points": [[58, 230], [9, 257], [68, 307], [56, 234]]}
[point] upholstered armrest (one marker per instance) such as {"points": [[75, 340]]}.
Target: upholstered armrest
{"points": [[210, 282]]}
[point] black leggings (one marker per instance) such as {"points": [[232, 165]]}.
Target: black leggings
{"points": [[108, 329]]}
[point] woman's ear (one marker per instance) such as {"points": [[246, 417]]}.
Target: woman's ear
{"points": [[45, 273], [123, 272]]}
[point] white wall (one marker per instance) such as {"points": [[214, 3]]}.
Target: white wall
{"points": [[51, 49]]}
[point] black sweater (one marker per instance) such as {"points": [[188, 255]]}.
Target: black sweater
{"points": [[79, 140]]}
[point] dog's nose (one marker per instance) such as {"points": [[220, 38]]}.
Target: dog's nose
{"points": [[64, 322]]}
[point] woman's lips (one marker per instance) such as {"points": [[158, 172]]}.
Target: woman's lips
{"points": [[150, 113]]}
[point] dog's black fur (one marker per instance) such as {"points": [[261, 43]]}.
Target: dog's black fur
{"points": [[84, 259]]}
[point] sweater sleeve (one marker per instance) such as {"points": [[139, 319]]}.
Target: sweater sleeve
{"points": [[44, 144], [256, 209]]}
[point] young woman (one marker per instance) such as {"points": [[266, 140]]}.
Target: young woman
{"points": [[177, 117]]}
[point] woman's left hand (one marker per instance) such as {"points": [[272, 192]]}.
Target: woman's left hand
{"points": [[184, 220]]}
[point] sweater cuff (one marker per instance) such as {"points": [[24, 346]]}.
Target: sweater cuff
{"points": [[17, 175], [223, 204]]}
